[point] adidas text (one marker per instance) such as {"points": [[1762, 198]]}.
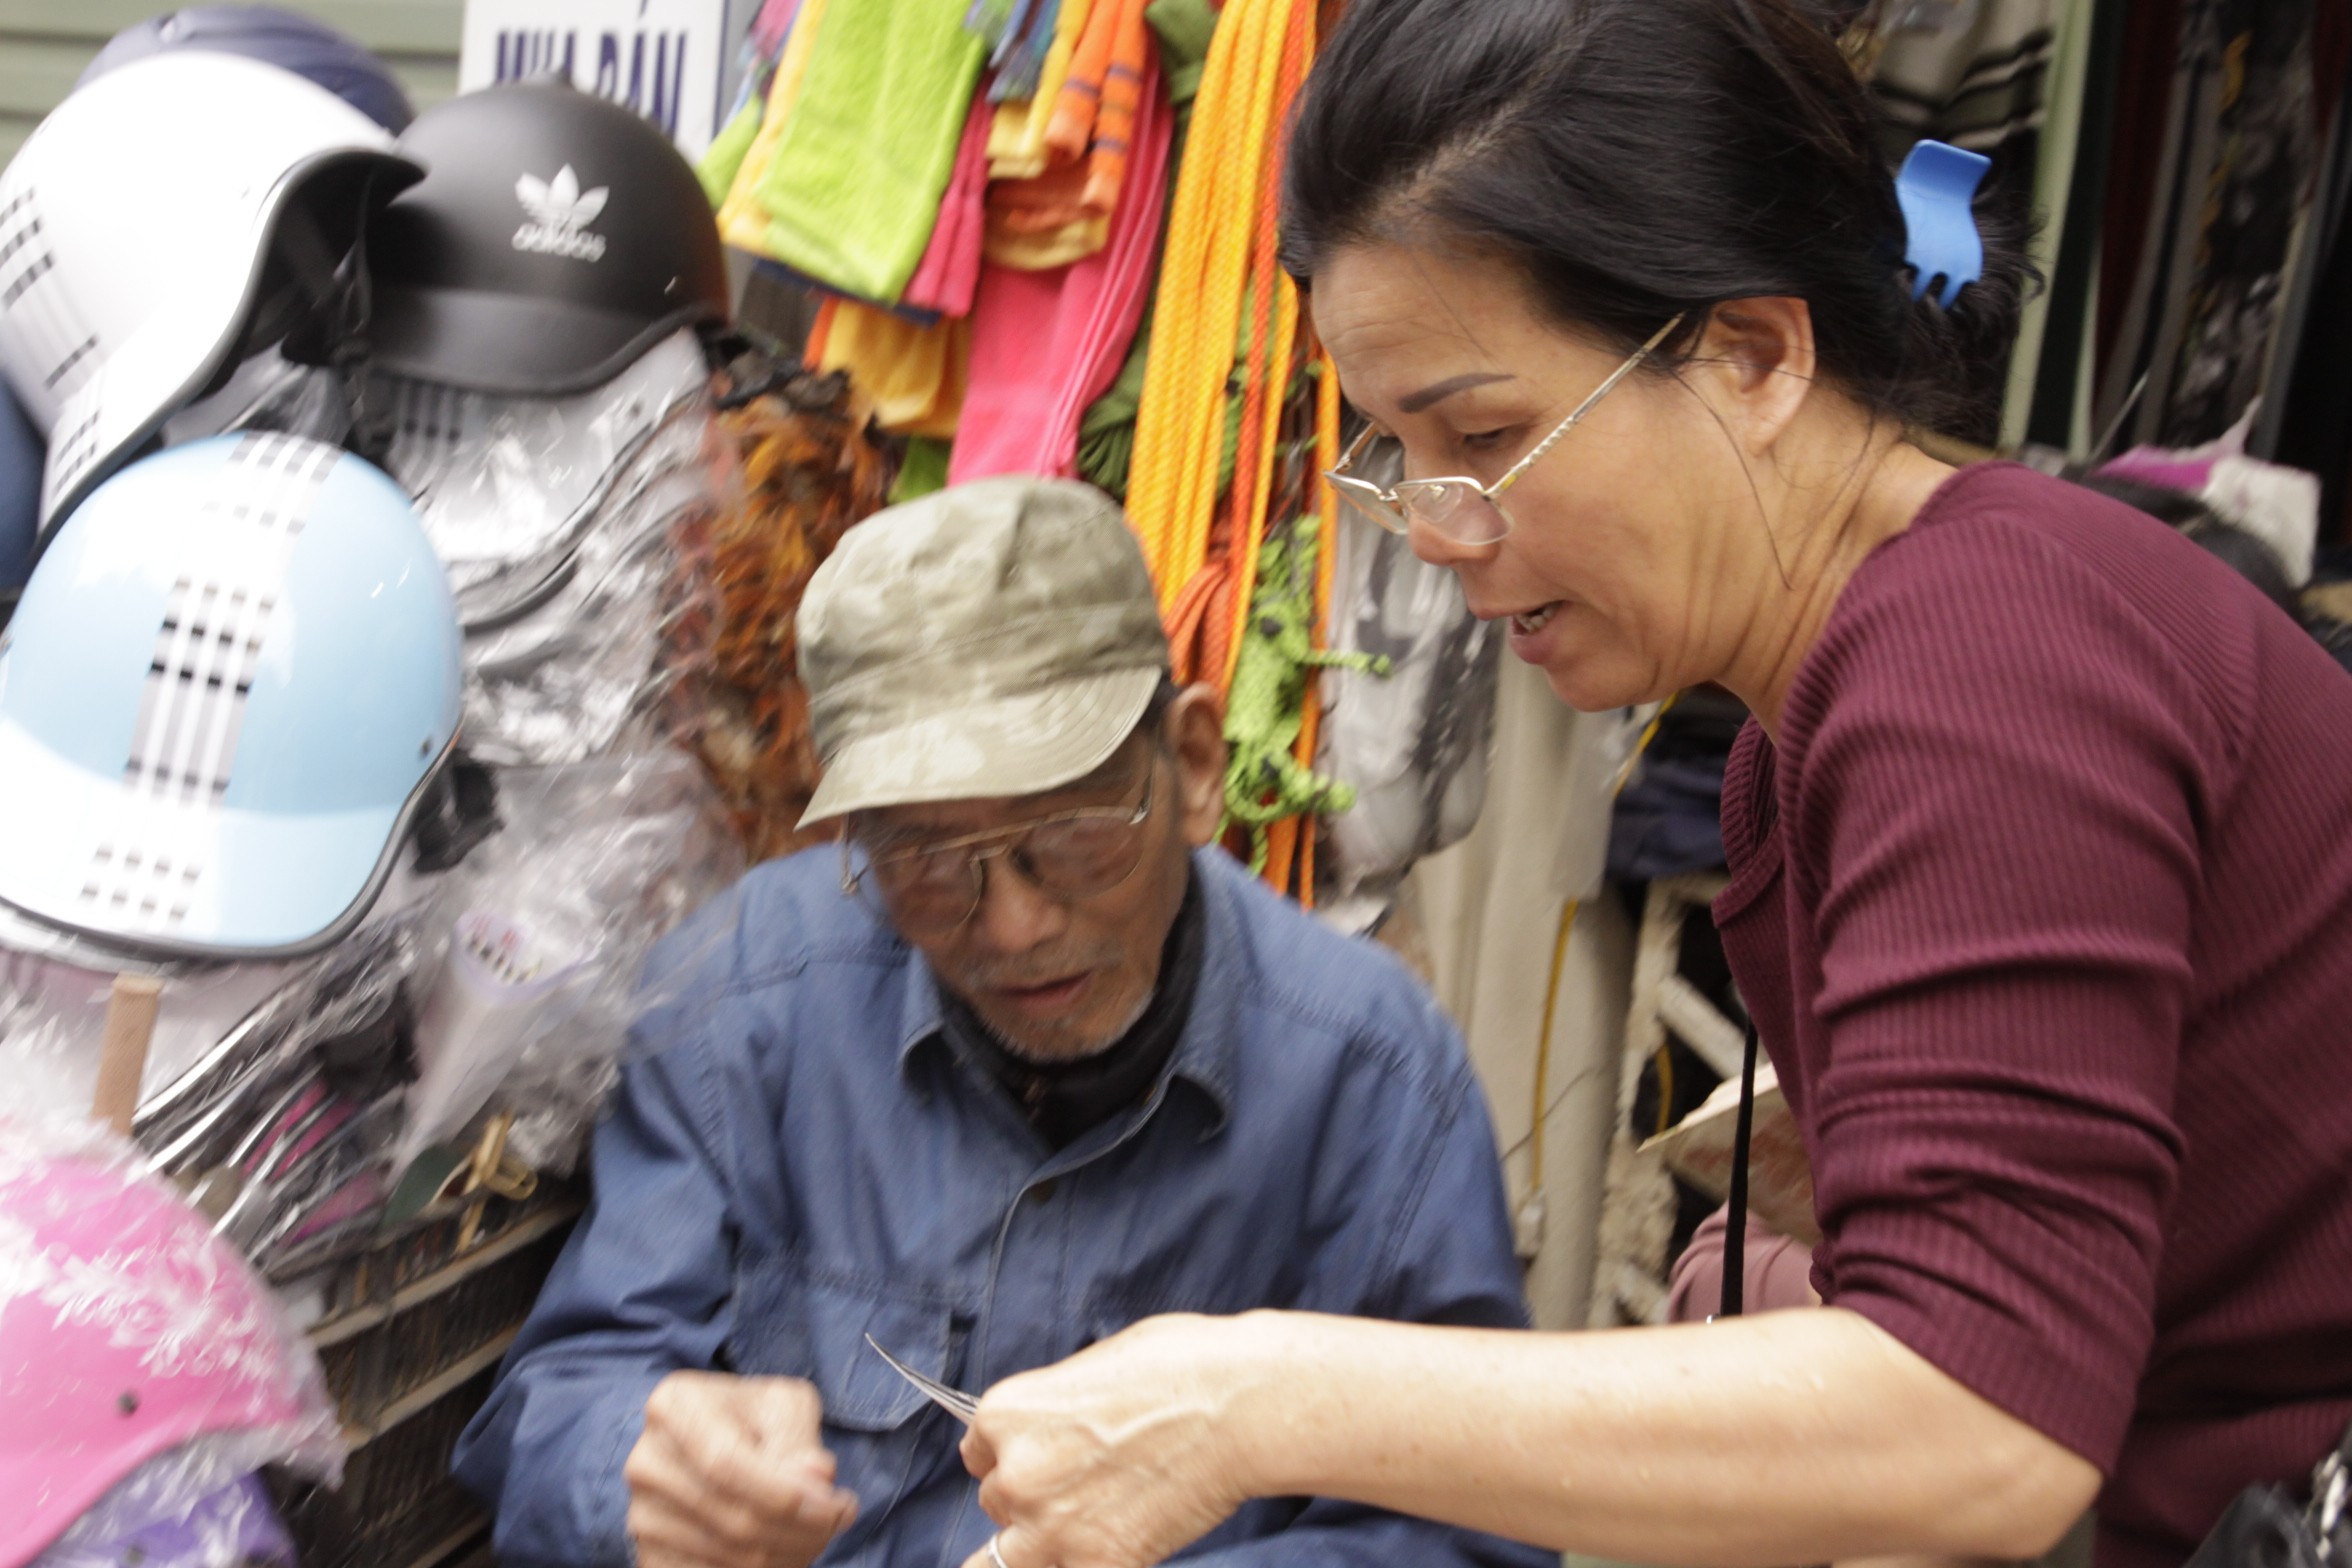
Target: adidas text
{"points": [[547, 240]]}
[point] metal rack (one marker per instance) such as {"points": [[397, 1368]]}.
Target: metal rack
{"points": [[413, 1332]]}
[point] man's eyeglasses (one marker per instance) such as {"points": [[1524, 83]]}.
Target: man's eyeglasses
{"points": [[930, 889], [1460, 509]]}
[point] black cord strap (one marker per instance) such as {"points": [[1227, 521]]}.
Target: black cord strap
{"points": [[1735, 1223]]}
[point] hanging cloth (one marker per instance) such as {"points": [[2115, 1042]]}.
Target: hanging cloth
{"points": [[1016, 148], [1221, 285], [1045, 345], [911, 377], [1220, 259], [949, 273], [852, 190], [1071, 125], [742, 221]]}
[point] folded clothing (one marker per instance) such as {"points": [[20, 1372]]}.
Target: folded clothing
{"points": [[950, 269], [851, 192], [742, 221], [1047, 344], [1052, 218], [1016, 145], [913, 378], [1071, 125]]}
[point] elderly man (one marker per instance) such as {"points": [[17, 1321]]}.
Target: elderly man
{"points": [[1023, 1063]]}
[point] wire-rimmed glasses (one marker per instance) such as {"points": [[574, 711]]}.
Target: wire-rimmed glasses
{"points": [[1459, 508], [931, 888]]}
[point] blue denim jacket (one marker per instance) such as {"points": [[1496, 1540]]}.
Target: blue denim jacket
{"points": [[802, 1159]]}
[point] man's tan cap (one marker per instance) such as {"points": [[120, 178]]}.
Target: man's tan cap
{"points": [[995, 638]]}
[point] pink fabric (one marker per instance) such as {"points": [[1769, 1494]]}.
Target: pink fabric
{"points": [[1047, 344], [2152, 465], [1778, 1271], [769, 28], [949, 273]]}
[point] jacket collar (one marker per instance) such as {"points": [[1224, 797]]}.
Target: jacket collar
{"points": [[1204, 1055]]}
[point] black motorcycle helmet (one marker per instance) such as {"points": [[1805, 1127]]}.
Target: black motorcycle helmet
{"points": [[555, 238]]}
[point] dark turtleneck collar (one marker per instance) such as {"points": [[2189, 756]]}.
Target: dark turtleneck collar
{"points": [[1064, 1099]]}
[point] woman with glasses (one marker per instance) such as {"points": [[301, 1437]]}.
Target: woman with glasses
{"points": [[2041, 843]]}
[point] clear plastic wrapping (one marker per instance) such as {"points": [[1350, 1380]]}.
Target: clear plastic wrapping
{"points": [[269, 392], [570, 678], [53, 1015], [509, 487], [171, 1513], [546, 928], [288, 1097], [1413, 742], [565, 526], [143, 1365]]}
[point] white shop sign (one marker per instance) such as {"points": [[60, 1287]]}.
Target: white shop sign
{"points": [[670, 60]]}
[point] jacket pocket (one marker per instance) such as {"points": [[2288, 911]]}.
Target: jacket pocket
{"points": [[792, 1320]]}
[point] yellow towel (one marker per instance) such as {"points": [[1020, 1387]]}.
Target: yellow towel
{"points": [[1016, 142], [743, 223], [1040, 249], [913, 377]]}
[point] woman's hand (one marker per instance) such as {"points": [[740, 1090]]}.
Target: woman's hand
{"points": [[1118, 1457]]}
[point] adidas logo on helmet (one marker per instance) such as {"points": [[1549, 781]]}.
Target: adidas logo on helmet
{"points": [[464, 297], [560, 214]]}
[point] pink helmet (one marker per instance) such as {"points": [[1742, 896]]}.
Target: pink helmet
{"points": [[128, 1331]]}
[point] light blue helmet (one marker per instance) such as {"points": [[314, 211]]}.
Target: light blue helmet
{"points": [[230, 679]]}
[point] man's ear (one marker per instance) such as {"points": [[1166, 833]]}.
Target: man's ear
{"points": [[1194, 731]]}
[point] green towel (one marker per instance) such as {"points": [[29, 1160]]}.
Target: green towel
{"points": [[725, 155], [1106, 434], [922, 472], [1184, 28], [853, 190]]}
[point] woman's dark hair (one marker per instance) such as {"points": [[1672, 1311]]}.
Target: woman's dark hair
{"points": [[1636, 158]]}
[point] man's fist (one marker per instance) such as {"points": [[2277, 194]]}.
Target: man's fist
{"points": [[732, 1472]]}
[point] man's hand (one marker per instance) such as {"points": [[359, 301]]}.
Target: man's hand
{"points": [[732, 1473]]}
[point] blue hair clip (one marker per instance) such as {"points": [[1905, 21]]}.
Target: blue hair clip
{"points": [[1935, 189]]}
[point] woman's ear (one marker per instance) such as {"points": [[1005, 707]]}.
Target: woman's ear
{"points": [[1193, 730], [1755, 357]]}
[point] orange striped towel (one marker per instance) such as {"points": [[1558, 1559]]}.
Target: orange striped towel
{"points": [[1072, 126], [1122, 94]]}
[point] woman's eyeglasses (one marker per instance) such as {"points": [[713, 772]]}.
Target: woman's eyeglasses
{"points": [[930, 889], [1460, 509]]}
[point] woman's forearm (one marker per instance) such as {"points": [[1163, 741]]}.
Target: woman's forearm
{"points": [[1798, 1437]]}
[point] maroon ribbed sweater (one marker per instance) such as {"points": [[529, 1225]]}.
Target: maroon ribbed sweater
{"points": [[2043, 905]]}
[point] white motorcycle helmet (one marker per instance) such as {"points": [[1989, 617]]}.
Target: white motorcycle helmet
{"points": [[166, 221], [230, 680]]}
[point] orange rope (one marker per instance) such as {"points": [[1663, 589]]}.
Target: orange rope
{"points": [[1180, 424], [1326, 570], [1275, 296], [1222, 296]]}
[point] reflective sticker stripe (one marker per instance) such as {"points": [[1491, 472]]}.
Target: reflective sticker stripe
{"points": [[71, 452], [207, 653], [80, 352], [52, 340]]}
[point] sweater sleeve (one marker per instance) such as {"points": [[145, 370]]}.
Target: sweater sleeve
{"points": [[2001, 772]]}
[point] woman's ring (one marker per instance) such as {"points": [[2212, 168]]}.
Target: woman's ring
{"points": [[994, 1555]]}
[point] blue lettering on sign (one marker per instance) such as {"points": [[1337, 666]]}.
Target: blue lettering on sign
{"points": [[646, 71], [537, 51], [658, 95]]}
